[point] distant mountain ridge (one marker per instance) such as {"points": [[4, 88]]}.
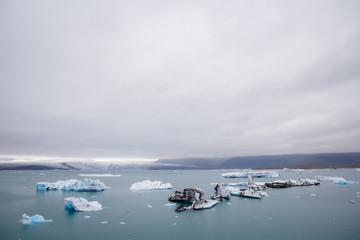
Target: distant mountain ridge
{"points": [[321, 160], [264, 161]]}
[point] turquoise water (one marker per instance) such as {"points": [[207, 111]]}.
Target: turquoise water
{"points": [[291, 213]]}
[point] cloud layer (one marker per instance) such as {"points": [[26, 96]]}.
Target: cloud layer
{"points": [[179, 78]]}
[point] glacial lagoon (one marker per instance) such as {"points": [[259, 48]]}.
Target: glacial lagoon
{"points": [[327, 211]]}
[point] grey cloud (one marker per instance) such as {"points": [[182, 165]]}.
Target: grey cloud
{"points": [[179, 78]]}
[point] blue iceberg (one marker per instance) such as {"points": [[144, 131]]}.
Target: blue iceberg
{"points": [[35, 219]]}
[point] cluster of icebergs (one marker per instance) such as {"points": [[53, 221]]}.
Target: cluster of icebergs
{"points": [[256, 174], [88, 185]]}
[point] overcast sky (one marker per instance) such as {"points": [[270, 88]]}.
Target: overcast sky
{"points": [[154, 79]]}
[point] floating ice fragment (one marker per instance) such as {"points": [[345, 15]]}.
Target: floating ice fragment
{"points": [[170, 204], [33, 219], [88, 185], [81, 204], [122, 223], [229, 203], [100, 175], [150, 185], [238, 184], [174, 224], [338, 180], [244, 174], [313, 195], [293, 170], [149, 206], [42, 174], [104, 222], [352, 201], [87, 216]]}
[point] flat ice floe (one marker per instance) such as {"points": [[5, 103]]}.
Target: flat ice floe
{"points": [[150, 185], [256, 174], [338, 180], [100, 175], [81, 204], [33, 219], [88, 185]]}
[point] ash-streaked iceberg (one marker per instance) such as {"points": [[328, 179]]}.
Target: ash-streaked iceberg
{"points": [[337, 180], [256, 174], [88, 185], [35, 219], [150, 185], [81, 204]]}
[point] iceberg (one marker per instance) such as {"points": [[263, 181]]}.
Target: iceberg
{"points": [[292, 183], [337, 180], [194, 195], [88, 185], [81, 204], [257, 174], [220, 193], [150, 185], [33, 219]]}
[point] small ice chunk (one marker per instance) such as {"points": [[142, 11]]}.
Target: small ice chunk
{"points": [[33, 219], [104, 222], [87, 216], [150, 185], [352, 201], [170, 204], [81, 204], [149, 206], [313, 195], [174, 224], [122, 223]]}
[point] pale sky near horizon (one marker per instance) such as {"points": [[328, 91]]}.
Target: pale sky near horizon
{"points": [[156, 79]]}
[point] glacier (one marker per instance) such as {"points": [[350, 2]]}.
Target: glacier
{"points": [[33, 219], [100, 175], [81, 204], [88, 185], [150, 185]]}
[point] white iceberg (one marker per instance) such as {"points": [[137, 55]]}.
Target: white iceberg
{"points": [[337, 180], [204, 204], [33, 219], [150, 185], [81, 204], [256, 174], [88, 185]]}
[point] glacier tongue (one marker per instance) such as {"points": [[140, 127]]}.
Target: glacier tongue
{"points": [[88, 185], [81, 204]]}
